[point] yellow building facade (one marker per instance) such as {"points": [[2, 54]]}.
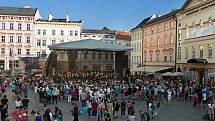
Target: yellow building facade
{"points": [[196, 39]]}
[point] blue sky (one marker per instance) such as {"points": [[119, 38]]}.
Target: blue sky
{"points": [[115, 14]]}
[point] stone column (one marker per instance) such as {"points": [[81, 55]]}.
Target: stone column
{"points": [[6, 64]]}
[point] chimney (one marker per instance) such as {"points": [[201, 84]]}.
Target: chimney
{"points": [[50, 17], [67, 18]]}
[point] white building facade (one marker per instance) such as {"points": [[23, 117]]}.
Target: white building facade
{"points": [[16, 35], [104, 34], [53, 31]]}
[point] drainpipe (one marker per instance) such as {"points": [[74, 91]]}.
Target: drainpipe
{"points": [[176, 42]]}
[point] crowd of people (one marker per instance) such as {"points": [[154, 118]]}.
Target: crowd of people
{"points": [[100, 97]]}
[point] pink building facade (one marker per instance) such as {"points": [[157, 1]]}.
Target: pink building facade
{"points": [[16, 35]]}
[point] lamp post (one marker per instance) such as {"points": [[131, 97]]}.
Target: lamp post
{"points": [[204, 79]]}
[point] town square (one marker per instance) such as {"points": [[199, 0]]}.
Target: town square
{"points": [[81, 60]]}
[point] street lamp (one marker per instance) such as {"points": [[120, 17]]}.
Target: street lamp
{"points": [[204, 82]]}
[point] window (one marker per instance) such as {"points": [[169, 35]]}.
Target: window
{"points": [[165, 58], [111, 56], [28, 26], [3, 26], [201, 52], [179, 35], [53, 32], [38, 54], [85, 55], [11, 52], [53, 41], [19, 26], [19, 51], [165, 26], [158, 28], [187, 32], [11, 39], [44, 32], [170, 57], [193, 52], [145, 58], [28, 39], [44, 43], [210, 50], [2, 38], [93, 55], [171, 39], [61, 40], [27, 51], [99, 55], [166, 40], [201, 23], [19, 39], [150, 57], [106, 56], [11, 26], [179, 52], [210, 21], [76, 33], [2, 51], [152, 30], [38, 42], [157, 57], [71, 33], [171, 24], [39, 32], [61, 32], [158, 41], [186, 52]]}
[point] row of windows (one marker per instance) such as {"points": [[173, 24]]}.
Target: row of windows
{"points": [[53, 32], [99, 36], [159, 41], [19, 26], [137, 47], [158, 58], [19, 39], [136, 36], [99, 55], [193, 51], [41, 53], [165, 26], [11, 52], [136, 59]]}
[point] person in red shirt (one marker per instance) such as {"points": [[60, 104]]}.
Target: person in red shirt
{"points": [[94, 108], [196, 100]]}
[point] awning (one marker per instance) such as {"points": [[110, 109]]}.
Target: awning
{"points": [[174, 74], [150, 69]]}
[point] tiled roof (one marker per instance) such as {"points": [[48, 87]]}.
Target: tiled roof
{"points": [[59, 20], [142, 23], [102, 31], [123, 36], [89, 44], [170, 14], [17, 11]]}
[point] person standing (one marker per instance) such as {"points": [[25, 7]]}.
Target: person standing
{"points": [[83, 97], [4, 111], [123, 107], [25, 102], [75, 112], [56, 92]]}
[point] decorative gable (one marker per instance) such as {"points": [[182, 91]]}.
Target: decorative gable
{"points": [[190, 3]]}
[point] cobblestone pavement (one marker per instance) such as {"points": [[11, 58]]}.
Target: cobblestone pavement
{"points": [[174, 111]]}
